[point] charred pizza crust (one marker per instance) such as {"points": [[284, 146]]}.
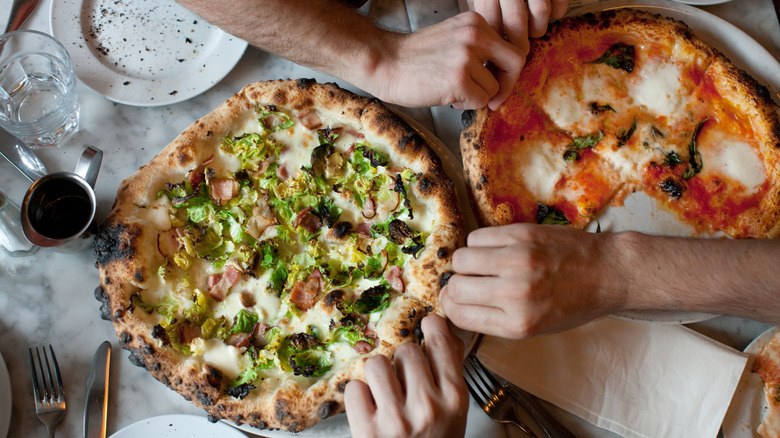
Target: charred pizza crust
{"points": [[741, 106], [128, 255]]}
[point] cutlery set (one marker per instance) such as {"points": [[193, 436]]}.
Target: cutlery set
{"points": [[49, 392]]}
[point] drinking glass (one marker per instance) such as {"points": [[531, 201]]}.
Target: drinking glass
{"points": [[38, 101]]}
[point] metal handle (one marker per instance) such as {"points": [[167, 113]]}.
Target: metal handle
{"points": [[20, 10], [89, 165]]}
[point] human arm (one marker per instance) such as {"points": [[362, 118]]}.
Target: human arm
{"points": [[437, 65], [522, 280], [415, 396]]}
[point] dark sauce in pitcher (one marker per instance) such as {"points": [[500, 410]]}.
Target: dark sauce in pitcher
{"points": [[60, 208]]}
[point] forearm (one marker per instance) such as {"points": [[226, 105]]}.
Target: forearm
{"points": [[724, 276], [345, 44]]}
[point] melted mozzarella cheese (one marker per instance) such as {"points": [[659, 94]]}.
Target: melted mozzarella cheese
{"points": [[224, 357], [566, 109], [158, 213], [541, 170], [658, 89], [627, 160], [736, 160]]}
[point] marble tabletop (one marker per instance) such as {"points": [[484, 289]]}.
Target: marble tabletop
{"points": [[47, 298]]}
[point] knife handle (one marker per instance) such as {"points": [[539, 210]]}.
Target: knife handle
{"points": [[549, 424]]}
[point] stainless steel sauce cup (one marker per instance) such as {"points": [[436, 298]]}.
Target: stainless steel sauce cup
{"points": [[60, 206]]}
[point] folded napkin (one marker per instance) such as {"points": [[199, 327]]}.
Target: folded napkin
{"points": [[634, 378]]}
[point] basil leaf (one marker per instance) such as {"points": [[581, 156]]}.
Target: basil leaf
{"points": [[595, 108], [579, 143], [624, 136], [694, 157], [619, 56], [548, 215]]}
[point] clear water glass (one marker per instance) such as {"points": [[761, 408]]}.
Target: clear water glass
{"points": [[38, 100], [12, 239]]}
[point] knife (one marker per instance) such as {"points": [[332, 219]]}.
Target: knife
{"points": [[96, 408], [21, 156], [549, 424]]}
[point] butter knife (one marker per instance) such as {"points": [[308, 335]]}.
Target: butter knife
{"points": [[21, 156], [96, 408], [549, 424]]}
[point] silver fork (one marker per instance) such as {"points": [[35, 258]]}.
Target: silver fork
{"points": [[490, 396], [48, 390]]}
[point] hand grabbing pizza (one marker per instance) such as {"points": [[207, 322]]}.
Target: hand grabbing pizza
{"points": [[521, 280], [442, 64], [516, 21], [419, 395]]}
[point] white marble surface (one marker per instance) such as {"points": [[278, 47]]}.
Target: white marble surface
{"points": [[48, 298]]}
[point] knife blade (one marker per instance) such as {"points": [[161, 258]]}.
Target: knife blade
{"points": [[21, 156], [96, 408]]}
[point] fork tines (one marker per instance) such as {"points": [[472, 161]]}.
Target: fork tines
{"points": [[490, 395], [48, 388]]}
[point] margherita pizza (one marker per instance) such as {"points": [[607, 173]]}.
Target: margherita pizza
{"points": [[623, 101], [278, 242]]}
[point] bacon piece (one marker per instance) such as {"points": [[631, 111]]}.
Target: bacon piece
{"points": [[354, 133], [393, 276], [239, 340], [364, 229], [223, 189], [220, 284], [189, 332], [304, 295], [362, 347], [281, 172], [168, 242], [309, 118], [261, 168], [369, 208], [247, 299], [308, 220]]}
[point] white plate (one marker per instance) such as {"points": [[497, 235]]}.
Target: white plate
{"points": [[748, 404], [702, 2], [640, 212], [141, 52], [5, 399], [178, 426]]}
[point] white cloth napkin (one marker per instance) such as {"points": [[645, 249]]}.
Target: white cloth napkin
{"points": [[634, 378]]}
